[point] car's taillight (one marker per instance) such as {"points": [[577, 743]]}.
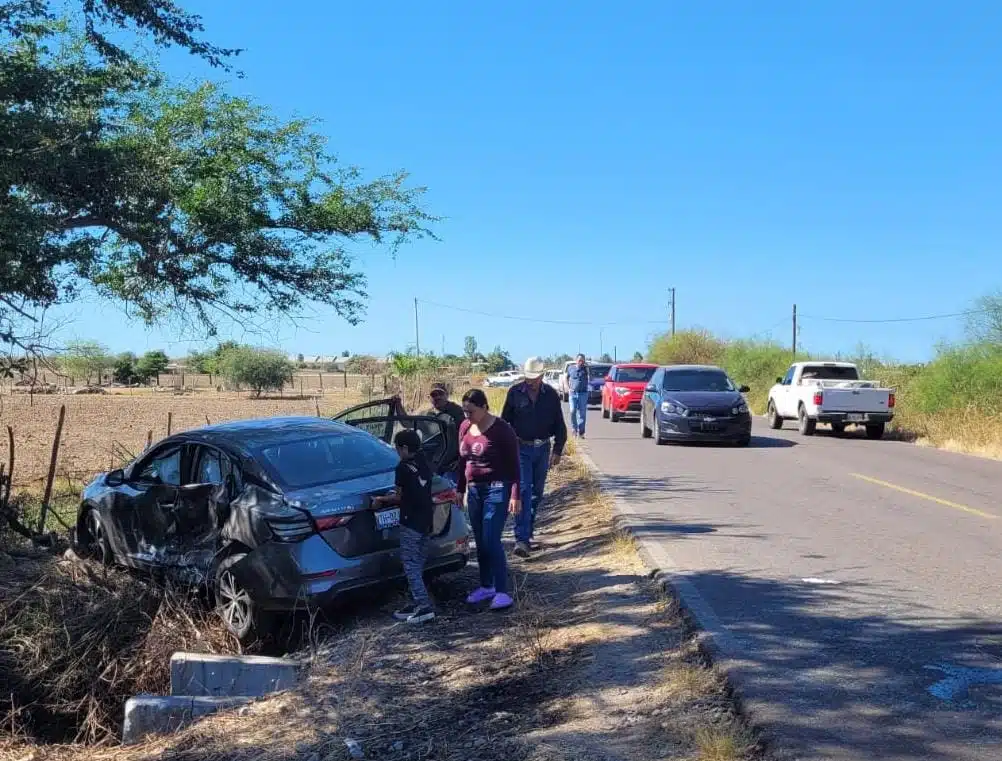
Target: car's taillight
{"points": [[818, 398], [293, 529], [890, 399], [447, 497], [328, 522]]}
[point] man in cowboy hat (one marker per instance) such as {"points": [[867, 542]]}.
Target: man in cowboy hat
{"points": [[533, 409]]}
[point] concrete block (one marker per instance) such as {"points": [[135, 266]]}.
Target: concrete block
{"points": [[157, 715], [222, 675]]}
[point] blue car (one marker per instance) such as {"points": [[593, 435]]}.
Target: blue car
{"points": [[694, 403], [596, 380]]}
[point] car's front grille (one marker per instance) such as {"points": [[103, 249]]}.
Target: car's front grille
{"points": [[716, 412]]}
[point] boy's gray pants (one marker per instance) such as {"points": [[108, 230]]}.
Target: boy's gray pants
{"points": [[413, 554]]}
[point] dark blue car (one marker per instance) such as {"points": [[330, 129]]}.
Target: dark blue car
{"points": [[694, 403], [596, 380]]}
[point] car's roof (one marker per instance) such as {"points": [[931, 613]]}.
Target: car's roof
{"points": [[672, 368], [644, 365], [254, 432], [823, 363]]}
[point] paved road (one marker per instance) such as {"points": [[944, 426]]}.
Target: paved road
{"points": [[853, 586]]}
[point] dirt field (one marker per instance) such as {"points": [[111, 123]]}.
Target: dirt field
{"points": [[96, 424]]}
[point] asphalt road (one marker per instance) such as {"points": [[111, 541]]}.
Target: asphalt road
{"points": [[852, 586]]}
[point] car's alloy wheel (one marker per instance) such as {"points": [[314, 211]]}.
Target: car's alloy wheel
{"points": [[805, 424], [235, 606], [657, 432], [775, 421], [645, 432], [98, 547]]}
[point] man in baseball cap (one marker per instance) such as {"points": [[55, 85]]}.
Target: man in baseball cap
{"points": [[533, 409]]}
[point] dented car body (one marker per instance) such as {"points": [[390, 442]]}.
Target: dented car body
{"points": [[272, 514]]}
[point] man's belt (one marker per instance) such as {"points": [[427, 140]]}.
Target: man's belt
{"points": [[534, 442]]}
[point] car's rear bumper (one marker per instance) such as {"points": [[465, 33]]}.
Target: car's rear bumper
{"points": [[595, 396], [849, 418]]}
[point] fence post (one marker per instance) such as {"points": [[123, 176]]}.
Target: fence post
{"points": [[52, 470], [170, 422], [346, 379], [321, 377]]}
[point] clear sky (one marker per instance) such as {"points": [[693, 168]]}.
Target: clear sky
{"points": [[588, 156]]}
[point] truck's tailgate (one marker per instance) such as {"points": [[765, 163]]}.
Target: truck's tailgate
{"points": [[855, 400]]}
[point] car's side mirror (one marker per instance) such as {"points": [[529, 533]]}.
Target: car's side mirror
{"points": [[744, 389], [779, 381], [608, 377], [115, 478], [651, 387]]}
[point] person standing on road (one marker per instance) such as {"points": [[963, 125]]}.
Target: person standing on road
{"points": [[489, 479], [533, 410], [577, 394], [450, 413]]}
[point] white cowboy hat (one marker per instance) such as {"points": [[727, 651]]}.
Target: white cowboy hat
{"points": [[533, 368]]}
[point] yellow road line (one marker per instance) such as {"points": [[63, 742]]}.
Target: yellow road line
{"points": [[937, 500]]}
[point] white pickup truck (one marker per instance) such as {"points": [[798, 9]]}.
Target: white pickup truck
{"points": [[832, 393]]}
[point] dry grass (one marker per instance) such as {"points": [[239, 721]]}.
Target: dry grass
{"points": [[595, 662], [966, 431], [96, 424]]}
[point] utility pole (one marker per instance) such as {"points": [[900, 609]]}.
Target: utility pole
{"points": [[417, 334], [794, 332], [443, 345], [600, 349], [672, 312], [615, 354]]}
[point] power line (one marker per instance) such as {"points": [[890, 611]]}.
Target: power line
{"points": [[896, 319], [520, 318]]}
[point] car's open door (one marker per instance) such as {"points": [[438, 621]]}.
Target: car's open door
{"points": [[374, 417], [431, 430]]}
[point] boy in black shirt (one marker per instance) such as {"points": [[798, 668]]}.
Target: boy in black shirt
{"points": [[413, 494]]}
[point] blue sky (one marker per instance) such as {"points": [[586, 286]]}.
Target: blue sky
{"points": [[844, 156]]}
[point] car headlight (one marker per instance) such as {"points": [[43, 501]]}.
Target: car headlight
{"points": [[741, 409], [622, 391], [670, 408]]}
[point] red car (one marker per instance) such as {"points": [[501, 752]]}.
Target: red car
{"points": [[624, 389]]}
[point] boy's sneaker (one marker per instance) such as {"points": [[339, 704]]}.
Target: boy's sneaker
{"points": [[501, 601], [522, 549], [421, 615], [404, 614], [480, 595]]}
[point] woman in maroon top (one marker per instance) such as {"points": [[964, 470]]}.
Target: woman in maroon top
{"points": [[489, 477]]}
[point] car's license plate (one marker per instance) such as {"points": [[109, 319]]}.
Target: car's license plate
{"points": [[855, 417], [709, 427], [388, 518]]}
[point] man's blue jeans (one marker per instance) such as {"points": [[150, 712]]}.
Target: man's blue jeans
{"points": [[534, 463], [579, 411]]}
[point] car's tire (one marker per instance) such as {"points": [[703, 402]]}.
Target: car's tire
{"points": [[239, 612], [613, 416], [97, 547], [658, 439], [775, 421], [744, 441], [645, 432], [805, 425], [605, 410], [838, 429], [875, 431]]}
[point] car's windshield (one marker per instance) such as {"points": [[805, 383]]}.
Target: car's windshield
{"points": [[697, 380], [599, 371], [327, 459], [634, 374], [828, 372]]}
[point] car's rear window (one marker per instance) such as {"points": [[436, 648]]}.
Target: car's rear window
{"points": [[697, 380], [821, 372], [634, 374], [599, 371], [327, 459]]}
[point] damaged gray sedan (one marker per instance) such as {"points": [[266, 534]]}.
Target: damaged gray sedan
{"points": [[273, 515]]}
